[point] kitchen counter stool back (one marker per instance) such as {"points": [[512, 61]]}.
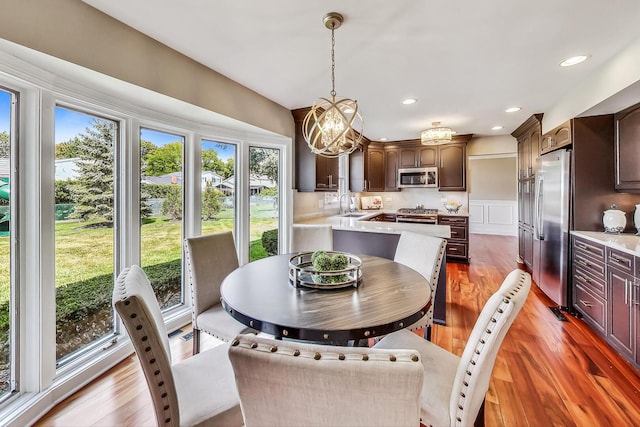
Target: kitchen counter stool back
{"points": [[209, 260], [425, 254]]}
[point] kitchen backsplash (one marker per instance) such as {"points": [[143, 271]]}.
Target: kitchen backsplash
{"points": [[311, 204]]}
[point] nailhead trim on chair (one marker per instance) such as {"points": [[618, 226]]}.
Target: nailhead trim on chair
{"points": [[423, 323], [481, 345], [160, 385], [326, 355]]}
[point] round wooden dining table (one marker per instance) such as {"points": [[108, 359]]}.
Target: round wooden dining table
{"points": [[391, 296]]}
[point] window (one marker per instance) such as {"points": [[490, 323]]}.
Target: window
{"points": [[264, 203], [8, 335], [161, 213], [218, 187], [84, 229]]}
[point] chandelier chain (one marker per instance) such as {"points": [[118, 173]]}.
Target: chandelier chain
{"points": [[333, 62]]}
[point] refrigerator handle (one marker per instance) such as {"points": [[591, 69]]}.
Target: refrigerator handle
{"points": [[538, 224]]}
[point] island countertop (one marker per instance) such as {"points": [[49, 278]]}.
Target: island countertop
{"points": [[360, 223]]}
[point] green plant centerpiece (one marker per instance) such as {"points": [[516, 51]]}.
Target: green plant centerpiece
{"points": [[322, 262], [325, 269]]}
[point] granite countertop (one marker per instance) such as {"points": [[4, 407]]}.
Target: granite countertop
{"points": [[360, 223], [629, 243]]}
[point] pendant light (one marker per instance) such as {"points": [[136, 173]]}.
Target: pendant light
{"points": [[436, 135], [333, 126]]}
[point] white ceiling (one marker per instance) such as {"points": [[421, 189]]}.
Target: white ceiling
{"points": [[465, 61]]}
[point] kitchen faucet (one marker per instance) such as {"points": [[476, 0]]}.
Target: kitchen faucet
{"points": [[347, 209]]}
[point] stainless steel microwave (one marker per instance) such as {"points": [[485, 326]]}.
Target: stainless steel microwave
{"points": [[417, 177]]}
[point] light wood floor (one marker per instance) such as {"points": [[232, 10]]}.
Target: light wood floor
{"points": [[547, 372]]}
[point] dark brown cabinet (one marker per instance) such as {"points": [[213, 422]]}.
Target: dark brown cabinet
{"points": [[458, 244], [367, 168], [452, 167], [391, 170], [606, 292], [312, 173], [326, 173], [556, 138], [414, 157], [590, 283], [528, 137], [627, 149]]}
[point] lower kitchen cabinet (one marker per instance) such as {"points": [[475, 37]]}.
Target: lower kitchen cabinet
{"points": [[622, 312], [606, 292], [458, 244]]}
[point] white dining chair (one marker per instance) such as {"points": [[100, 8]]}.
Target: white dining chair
{"points": [[200, 390], [454, 387], [311, 237], [425, 254], [286, 383], [209, 259]]}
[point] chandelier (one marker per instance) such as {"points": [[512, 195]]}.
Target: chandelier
{"points": [[436, 135], [333, 126]]}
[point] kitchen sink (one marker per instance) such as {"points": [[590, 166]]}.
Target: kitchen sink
{"points": [[353, 215]]}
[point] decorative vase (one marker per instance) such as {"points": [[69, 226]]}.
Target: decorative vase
{"points": [[614, 220], [636, 219]]}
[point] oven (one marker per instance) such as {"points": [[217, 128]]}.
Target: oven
{"points": [[418, 215]]}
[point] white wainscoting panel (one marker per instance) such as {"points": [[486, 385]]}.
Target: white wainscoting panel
{"points": [[493, 217]]}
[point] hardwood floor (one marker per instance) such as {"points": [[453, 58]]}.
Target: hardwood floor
{"points": [[547, 372]]}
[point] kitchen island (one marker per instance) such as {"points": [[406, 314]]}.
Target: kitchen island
{"points": [[353, 233]]}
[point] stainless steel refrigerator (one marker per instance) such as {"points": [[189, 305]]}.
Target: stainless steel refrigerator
{"points": [[551, 225]]}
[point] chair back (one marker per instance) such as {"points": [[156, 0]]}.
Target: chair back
{"points": [[476, 364], [311, 237], [137, 306], [287, 383], [209, 260], [424, 254]]}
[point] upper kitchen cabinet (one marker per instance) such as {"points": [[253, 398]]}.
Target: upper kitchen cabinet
{"points": [[312, 173], [452, 167], [556, 138], [417, 157], [627, 149], [367, 168], [391, 170], [528, 136]]}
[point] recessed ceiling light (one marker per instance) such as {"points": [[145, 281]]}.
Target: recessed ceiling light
{"points": [[574, 60], [497, 127], [512, 109], [383, 139], [409, 101]]}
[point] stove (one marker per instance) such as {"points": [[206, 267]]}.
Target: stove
{"points": [[420, 215]]}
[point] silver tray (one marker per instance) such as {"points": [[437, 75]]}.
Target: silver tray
{"points": [[302, 273]]}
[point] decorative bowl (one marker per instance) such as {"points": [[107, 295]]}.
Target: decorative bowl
{"points": [[303, 273], [452, 208]]}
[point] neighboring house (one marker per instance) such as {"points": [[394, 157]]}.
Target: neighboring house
{"points": [[213, 180], [4, 167], [66, 169]]}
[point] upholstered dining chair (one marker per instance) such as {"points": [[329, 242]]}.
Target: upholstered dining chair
{"points": [[424, 254], [454, 387], [287, 383], [209, 260], [311, 237], [197, 391]]}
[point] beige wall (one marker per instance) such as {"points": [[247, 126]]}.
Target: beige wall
{"points": [[484, 145], [492, 178], [75, 32]]}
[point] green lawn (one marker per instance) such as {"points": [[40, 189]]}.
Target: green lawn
{"points": [[83, 253]]}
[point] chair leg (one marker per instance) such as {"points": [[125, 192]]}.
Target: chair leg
{"points": [[480, 418], [196, 341], [426, 332]]}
